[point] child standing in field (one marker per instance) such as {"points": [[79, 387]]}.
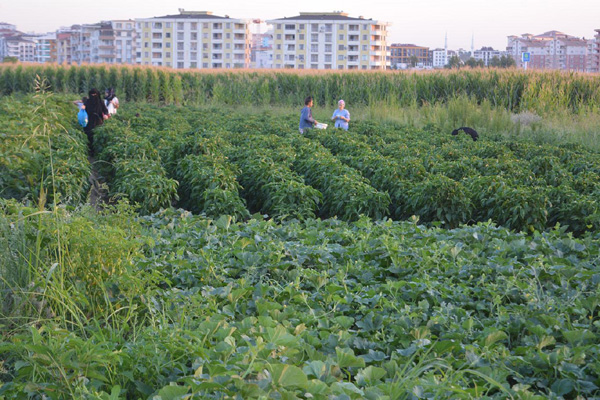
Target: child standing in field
{"points": [[341, 116], [306, 119], [111, 101]]}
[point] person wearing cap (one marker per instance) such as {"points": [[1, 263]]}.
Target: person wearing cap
{"points": [[306, 119], [341, 116]]}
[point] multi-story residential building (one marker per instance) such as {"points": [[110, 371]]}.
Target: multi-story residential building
{"points": [[486, 54], [329, 41], [439, 58], [594, 53], [81, 43], [261, 50], [46, 48], [18, 46], [63, 46], [405, 55], [124, 41], [550, 50], [193, 39]]}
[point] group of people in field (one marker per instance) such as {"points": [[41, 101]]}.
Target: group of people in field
{"points": [[97, 110], [340, 116]]}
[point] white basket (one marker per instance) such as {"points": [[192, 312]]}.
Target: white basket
{"points": [[321, 126]]}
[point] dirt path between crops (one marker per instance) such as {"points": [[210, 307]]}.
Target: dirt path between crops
{"points": [[98, 191]]}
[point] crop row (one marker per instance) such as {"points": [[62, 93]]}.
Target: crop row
{"points": [[319, 309], [513, 90]]}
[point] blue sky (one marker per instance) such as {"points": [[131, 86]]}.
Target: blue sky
{"points": [[423, 22]]}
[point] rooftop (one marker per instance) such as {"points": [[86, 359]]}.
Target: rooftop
{"points": [[193, 15], [323, 16]]}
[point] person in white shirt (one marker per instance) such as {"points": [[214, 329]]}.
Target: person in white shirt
{"points": [[111, 101]]}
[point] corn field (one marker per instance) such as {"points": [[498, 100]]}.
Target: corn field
{"points": [[512, 90]]}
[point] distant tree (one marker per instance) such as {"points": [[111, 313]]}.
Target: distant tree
{"points": [[507, 62], [414, 60], [10, 60], [453, 62], [494, 62], [473, 63]]}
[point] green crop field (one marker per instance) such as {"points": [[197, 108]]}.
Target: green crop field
{"points": [[230, 257]]}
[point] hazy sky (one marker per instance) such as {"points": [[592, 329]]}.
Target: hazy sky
{"points": [[422, 22]]}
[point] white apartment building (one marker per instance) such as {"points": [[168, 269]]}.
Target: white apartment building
{"points": [[439, 58], [18, 46], [486, 54], [550, 50], [594, 53], [124, 41], [193, 39], [329, 41]]}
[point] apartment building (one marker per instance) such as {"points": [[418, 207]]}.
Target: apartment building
{"points": [[63, 46], [439, 58], [193, 39], [20, 47], [329, 41], [486, 54], [46, 48], [261, 50], [124, 41], [405, 55], [594, 53], [550, 50]]}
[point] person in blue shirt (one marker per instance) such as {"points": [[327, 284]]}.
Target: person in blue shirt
{"points": [[306, 119], [341, 116]]}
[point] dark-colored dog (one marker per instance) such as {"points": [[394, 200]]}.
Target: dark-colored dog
{"points": [[469, 131]]}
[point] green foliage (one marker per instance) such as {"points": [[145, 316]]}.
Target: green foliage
{"points": [[543, 92]]}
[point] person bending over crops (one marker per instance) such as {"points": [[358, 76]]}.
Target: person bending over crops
{"points": [[97, 111], [306, 119], [341, 116]]}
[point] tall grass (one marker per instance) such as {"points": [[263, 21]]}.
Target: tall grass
{"points": [[513, 90]]}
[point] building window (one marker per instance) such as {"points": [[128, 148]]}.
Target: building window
{"points": [[168, 35], [328, 37], [314, 58], [278, 26], [301, 36], [314, 48], [290, 27], [314, 66], [341, 37], [179, 35], [301, 27], [314, 27], [168, 24], [180, 27], [328, 48], [228, 25], [364, 37], [340, 57], [279, 36], [314, 37]]}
